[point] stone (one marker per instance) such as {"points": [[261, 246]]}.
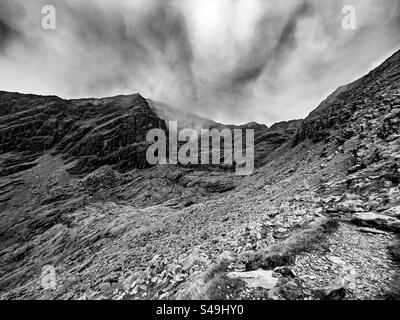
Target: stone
{"points": [[105, 286], [291, 290], [254, 279], [393, 212], [128, 282], [371, 231], [195, 258], [375, 220], [394, 250], [351, 206], [336, 260], [227, 256], [285, 271], [85, 286], [155, 259], [335, 290], [355, 168]]}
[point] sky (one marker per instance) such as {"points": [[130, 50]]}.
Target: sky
{"points": [[233, 61]]}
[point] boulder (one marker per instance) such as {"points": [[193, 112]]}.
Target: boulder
{"points": [[375, 220], [393, 212], [335, 290], [254, 279]]}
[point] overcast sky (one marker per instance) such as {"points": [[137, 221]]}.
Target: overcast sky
{"points": [[233, 61]]}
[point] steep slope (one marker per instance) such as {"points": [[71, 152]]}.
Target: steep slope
{"points": [[371, 94]]}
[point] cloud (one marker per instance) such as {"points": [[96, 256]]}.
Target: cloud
{"points": [[262, 56], [229, 60], [7, 32]]}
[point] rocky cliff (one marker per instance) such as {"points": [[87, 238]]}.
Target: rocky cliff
{"points": [[92, 132]]}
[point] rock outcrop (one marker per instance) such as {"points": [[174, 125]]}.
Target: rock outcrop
{"points": [[372, 96], [92, 132]]}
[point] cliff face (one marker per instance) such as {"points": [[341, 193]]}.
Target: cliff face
{"points": [[91, 132]]}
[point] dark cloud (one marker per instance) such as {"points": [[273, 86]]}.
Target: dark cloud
{"points": [[261, 56], [287, 39], [167, 28], [7, 31]]}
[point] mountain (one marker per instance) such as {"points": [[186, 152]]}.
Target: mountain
{"points": [[266, 139], [318, 219], [184, 119], [91, 132]]}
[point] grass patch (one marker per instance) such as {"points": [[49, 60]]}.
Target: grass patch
{"points": [[212, 285], [215, 285], [285, 252], [221, 287]]}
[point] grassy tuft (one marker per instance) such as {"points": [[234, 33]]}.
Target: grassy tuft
{"points": [[284, 253]]}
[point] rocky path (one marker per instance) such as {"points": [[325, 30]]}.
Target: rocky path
{"points": [[360, 258]]}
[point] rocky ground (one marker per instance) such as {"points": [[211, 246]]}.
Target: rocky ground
{"points": [[318, 219]]}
